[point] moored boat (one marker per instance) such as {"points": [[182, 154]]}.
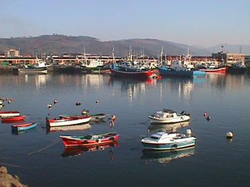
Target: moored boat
{"points": [[168, 141], [4, 114], [42, 70], [68, 120], [13, 119], [214, 69], [23, 127], [97, 117], [79, 127], [167, 116], [89, 140], [130, 71]]}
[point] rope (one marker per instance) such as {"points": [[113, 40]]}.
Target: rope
{"points": [[37, 151]]}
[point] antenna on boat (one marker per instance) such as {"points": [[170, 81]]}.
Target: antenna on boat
{"points": [[113, 54]]}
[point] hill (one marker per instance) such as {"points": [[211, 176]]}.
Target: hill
{"points": [[61, 44]]}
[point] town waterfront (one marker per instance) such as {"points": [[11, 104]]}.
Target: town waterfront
{"points": [[39, 158]]}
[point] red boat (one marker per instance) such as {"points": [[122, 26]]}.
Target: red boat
{"points": [[90, 140], [215, 70], [4, 114], [14, 119]]}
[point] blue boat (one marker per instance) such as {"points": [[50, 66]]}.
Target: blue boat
{"points": [[168, 141], [23, 127]]}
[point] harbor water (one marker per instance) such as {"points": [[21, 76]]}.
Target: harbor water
{"points": [[39, 158]]}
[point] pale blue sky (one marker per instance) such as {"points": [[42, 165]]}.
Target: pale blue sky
{"points": [[192, 22]]}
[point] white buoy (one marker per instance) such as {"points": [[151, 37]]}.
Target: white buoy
{"points": [[97, 101], [230, 134], [189, 132], [49, 106]]}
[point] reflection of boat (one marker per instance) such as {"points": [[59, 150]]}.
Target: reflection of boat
{"points": [[77, 151], [13, 119], [164, 157], [68, 120], [80, 127], [4, 114], [168, 127], [167, 116], [90, 140], [23, 127], [168, 141], [130, 71]]}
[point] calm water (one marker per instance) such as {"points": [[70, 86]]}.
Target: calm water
{"points": [[38, 157]]}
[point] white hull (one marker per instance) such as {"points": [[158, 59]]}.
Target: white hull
{"points": [[63, 122], [170, 120], [9, 115]]}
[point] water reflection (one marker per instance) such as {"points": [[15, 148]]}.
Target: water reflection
{"points": [[81, 127], [77, 151], [167, 127], [165, 157]]}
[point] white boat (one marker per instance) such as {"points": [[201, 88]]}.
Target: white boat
{"points": [[167, 116], [168, 141], [40, 67], [6, 114], [65, 121]]}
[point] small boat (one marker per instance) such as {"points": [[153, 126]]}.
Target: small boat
{"points": [[90, 140], [23, 127], [68, 120], [5, 114], [79, 127], [129, 70], [168, 141], [32, 70], [167, 116], [13, 119]]}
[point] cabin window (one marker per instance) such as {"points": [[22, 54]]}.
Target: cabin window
{"points": [[153, 137]]}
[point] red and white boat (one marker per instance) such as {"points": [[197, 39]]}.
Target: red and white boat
{"points": [[4, 114], [14, 119], [90, 140], [215, 70], [70, 120]]}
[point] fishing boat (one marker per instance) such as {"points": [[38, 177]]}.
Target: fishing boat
{"points": [[168, 141], [68, 120], [167, 116], [4, 114], [90, 140], [13, 119], [23, 127], [39, 67], [128, 69], [97, 117], [79, 127]]}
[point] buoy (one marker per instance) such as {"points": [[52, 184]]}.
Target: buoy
{"points": [[78, 103], [189, 132], [49, 106], [97, 101], [55, 101], [230, 134], [112, 121], [207, 116]]}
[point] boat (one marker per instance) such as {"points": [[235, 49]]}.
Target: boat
{"points": [[39, 68], [97, 117], [92, 66], [77, 151], [214, 69], [68, 120], [164, 157], [13, 119], [237, 68], [4, 114], [89, 140], [128, 69], [23, 127], [168, 141], [176, 69], [167, 116]]}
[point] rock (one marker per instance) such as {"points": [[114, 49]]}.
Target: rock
{"points": [[6, 180]]}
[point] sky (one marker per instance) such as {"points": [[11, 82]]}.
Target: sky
{"points": [[192, 22]]}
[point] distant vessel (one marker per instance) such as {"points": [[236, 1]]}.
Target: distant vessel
{"points": [[39, 68]]}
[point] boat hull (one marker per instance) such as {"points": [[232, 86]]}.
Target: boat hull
{"points": [[169, 146], [42, 70], [156, 120], [171, 72], [23, 127], [67, 121], [9, 114], [14, 119], [74, 141], [215, 70]]}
